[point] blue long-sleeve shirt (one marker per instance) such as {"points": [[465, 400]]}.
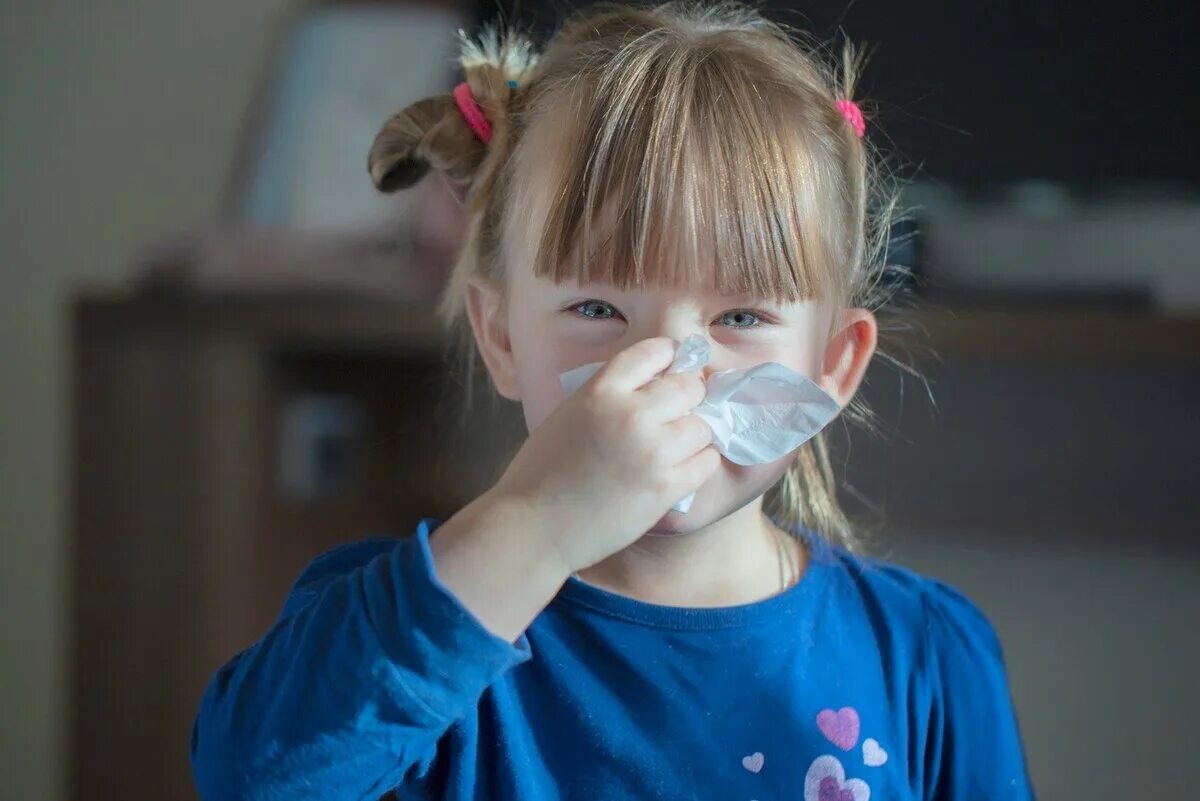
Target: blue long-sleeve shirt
{"points": [[863, 680]]}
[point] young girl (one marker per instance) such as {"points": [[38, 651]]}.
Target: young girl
{"points": [[656, 174]]}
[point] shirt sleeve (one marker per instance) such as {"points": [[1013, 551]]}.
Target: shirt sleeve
{"points": [[370, 661], [974, 742]]}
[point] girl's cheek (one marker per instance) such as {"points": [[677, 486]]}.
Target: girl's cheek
{"points": [[748, 350], [589, 333]]}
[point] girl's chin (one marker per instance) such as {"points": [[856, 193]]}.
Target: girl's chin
{"points": [[673, 524]]}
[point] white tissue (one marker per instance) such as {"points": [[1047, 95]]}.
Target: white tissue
{"points": [[758, 414]]}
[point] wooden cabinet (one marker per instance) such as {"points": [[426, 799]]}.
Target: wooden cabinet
{"points": [[185, 542]]}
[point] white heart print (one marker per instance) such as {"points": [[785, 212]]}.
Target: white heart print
{"points": [[873, 753]]}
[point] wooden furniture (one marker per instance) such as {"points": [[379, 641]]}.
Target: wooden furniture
{"points": [[184, 545]]}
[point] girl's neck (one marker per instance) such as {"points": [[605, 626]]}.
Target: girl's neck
{"points": [[742, 558]]}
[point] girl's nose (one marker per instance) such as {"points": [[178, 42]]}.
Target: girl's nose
{"points": [[713, 363]]}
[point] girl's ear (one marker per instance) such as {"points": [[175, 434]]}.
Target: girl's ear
{"points": [[485, 311], [848, 353]]}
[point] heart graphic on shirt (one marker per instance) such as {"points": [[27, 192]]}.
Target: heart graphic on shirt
{"points": [[754, 762], [840, 728], [873, 753], [826, 781]]}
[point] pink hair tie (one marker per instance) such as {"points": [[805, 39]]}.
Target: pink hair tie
{"points": [[472, 112], [853, 114]]}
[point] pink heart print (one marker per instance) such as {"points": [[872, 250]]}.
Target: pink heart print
{"points": [[754, 762], [826, 781], [840, 728], [831, 790]]}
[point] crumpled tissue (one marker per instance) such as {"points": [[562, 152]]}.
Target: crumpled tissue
{"points": [[757, 414]]}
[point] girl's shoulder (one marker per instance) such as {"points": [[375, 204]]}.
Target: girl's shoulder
{"points": [[338, 561], [939, 619]]}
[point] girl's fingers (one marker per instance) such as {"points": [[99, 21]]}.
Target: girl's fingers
{"points": [[637, 364], [671, 396], [684, 438], [696, 469]]}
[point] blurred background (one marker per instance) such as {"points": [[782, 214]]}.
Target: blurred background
{"points": [[220, 357]]}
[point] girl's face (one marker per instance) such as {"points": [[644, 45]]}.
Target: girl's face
{"points": [[555, 327], [552, 328]]}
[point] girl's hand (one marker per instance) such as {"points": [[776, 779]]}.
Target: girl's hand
{"points": [[614, 457]]}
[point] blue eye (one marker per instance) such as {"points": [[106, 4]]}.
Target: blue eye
{"points": [[598, 309], [743, 313], [594, 303]]}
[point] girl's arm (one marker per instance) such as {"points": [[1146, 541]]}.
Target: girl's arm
{"points": [[974, 745], [354, 685], [372, 659]]}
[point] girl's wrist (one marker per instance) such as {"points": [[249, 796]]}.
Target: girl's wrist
{"points": [[531, 517], [492, 556]]}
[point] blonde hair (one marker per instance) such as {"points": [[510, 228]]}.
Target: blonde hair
{"points": [[718, 132]]}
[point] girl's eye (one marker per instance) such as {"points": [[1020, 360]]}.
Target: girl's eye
{"points": [[601, 315], [598, 309], [742, 314]]}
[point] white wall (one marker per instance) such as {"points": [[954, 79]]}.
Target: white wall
{"points": [[118, 123]]}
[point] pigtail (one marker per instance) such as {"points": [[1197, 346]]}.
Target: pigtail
{"points": [[856, 163], [428, 133], [433, 133], [853, 63]]}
